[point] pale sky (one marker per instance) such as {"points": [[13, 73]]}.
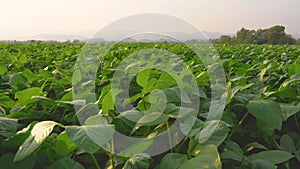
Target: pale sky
{"points": [[27, 18]]}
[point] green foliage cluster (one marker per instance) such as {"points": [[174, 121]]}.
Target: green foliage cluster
{"points": [[259, 127], [274, 35]]}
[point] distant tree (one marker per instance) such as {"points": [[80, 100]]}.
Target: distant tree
{"points": [[260, 36], [245, 36], [298, 41], [276, 35], [225, 39], [290, 40], [214, 41], [76, 41]]}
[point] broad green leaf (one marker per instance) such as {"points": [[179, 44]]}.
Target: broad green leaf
{"points": [[213, 132], [132, 115], [8, 124], [288, 110], [254, 145], [5, 101], [64, 145], [208, 158], [3, 69], [23, 59], [24, 96], [287, 144], [17, 140], [272, 156], [90, 138], [29, 75], [153, 118], [107, 104], [191, 126], [166, 81], [88, 110], [136, 148], [297, 154], [18, 82], [142, 77], [293, 69], [266, 111], [286, 92], [138, 161], [261, 164], [232, 151], [172, 161], [265, 128], [66, 163], [38, 134], [97, 119], [7, 162]]}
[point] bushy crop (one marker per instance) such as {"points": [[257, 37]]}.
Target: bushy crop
{"points": [[39, 127]]}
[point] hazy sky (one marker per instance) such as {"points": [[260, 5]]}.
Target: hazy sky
{"points": [[27, 18]]}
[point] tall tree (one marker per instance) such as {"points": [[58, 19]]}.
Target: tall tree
{"points": [[225, 39], [245, 36], [260, 36], [276, 35]]}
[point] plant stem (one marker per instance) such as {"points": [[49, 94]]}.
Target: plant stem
{"points": [[169, 136], [296, 122], [95, 161], [243, 118], [239, 124], [111, 154]]}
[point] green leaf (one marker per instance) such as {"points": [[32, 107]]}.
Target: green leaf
{"points": [[8, 124], [297, 154], [6, 102], [166, 81], [254, 145], [293, 69], [107, 104], [19, 138], [208, 158], [3, 69], [64, 145], [265, 128], [87, 111], [38, 134], [142, 77], [23, 59], [29, 75], [91, 137], [266, 111], [272, 156], [213, 132], [18, 82], [288, 110], [287, 144], [138, 161], [232, 151], [153, 118], [136, 148], [172, 161], [261, 164], [24, 96], [7, 162], [132, 115], [66, 163], [286, 92]]}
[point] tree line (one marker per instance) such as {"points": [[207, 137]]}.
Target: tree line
{"points": [[275, 35]]}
